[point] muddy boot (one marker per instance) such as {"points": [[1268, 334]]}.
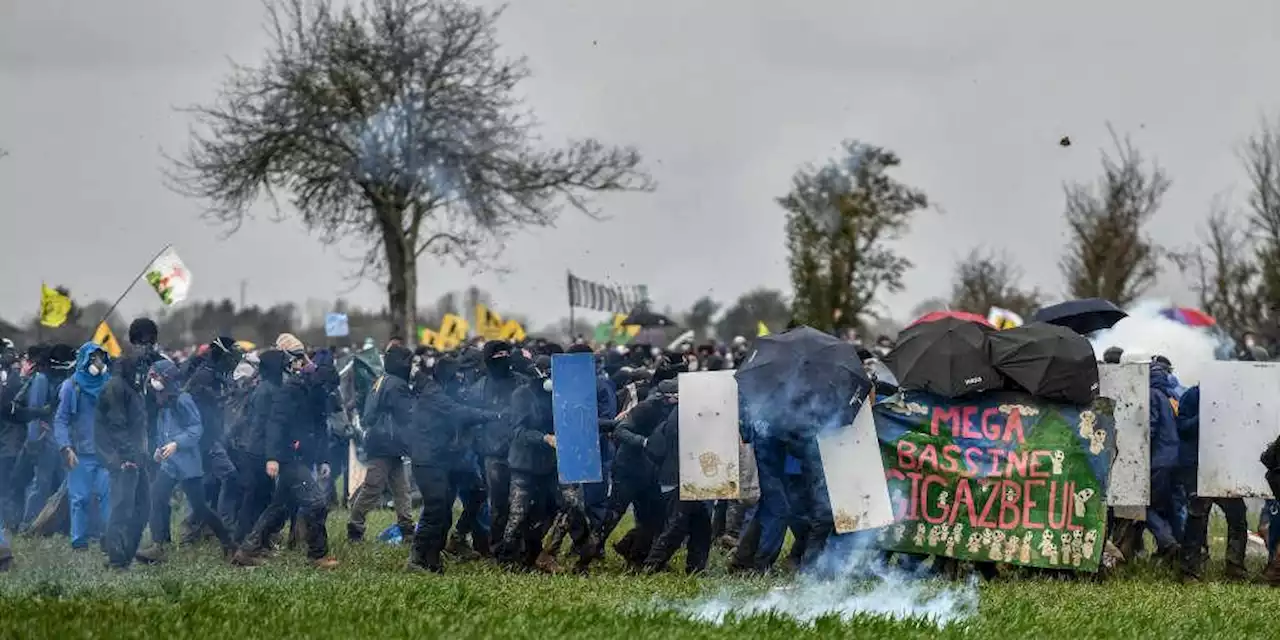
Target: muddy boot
{"points": [[1271, 575], [154, 554], [241, 558], [546, 563], [354, 533], [458, 548]]}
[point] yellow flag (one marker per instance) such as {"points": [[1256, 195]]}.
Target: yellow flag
{"points": [[618, 327], [512, 332], [453, 330], [490, 323], [104, 337], [761, 329], [54, 307], [427, 337]]}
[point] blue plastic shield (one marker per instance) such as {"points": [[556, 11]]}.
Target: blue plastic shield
{"points": [[573, 399]]}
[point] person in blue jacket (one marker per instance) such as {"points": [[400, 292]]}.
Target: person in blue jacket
{"points": [[178, 429], [73, 431], [39, 469], [1162, 513]]}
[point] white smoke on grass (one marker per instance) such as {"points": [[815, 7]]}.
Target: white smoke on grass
{"points": [[850, 582], [1146, 333]]}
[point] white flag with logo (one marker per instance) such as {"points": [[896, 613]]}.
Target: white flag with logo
{"points": [[1004, 318], [169, 277]]}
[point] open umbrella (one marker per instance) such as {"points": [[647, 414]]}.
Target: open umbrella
{"points": [[935, 316], [1082, 316], [1051, 362], [802, 380], [947, 357], [646, 318], [1189, 316]]}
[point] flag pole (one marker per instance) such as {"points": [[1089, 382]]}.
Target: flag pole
{"points": [[133, 283], [569, 290]]}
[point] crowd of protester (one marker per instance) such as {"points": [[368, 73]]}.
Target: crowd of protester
{"points": [[255, 441]]}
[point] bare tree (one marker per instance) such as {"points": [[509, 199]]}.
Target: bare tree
{"points": [[1261, 158], [1109, 255], [394, 123], [986, 279]]}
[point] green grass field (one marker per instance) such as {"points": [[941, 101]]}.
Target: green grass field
{"points": [[54, 593]]}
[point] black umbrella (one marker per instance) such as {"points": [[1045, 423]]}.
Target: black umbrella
{"points": [[646, 318], [947, 357], [802, 380], [1082, 316], [1051, 362]]}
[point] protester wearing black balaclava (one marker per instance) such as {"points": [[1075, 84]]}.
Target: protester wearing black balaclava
{"points": [[247, 445], [440, 436], [493, 393], [209, 383], [294, 442], [635, 481], [120, 435], [386, 418], [532, 461]]}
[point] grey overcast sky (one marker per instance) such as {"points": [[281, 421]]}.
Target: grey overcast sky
{"points": [[725, 97]]}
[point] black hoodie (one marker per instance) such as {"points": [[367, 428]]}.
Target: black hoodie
{"points": [[251, 437], [387, 412], [120, 420], [494, 393]]}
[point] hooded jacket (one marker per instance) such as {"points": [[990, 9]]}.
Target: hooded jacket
{"points": [[120, 417], [73, 422], [251, 436], [632, 431], [13, 418], [663, 450], [178, 421], [495, 393], [532, 419], [388, 410], [294, 432], [208, 384], [1164, 428], [1189, 429], [442, 431]]}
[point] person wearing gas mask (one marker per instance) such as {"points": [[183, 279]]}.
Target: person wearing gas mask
{"points": [[73, 432], [120, 437], [386, 417], [534, 486], [494, 393], [440, 437], [40, 467], [635, 482], [294, 441], [177, 451], [209, 383], [248, 443]]}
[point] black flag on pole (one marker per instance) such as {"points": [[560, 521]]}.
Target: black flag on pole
{"points": [[585, 294]]}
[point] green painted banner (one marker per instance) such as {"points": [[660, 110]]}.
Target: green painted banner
{"points": [[999, 478]]}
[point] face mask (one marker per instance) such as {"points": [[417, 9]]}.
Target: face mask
{"points": [[157, 384], [96, 369], [546, 385]]}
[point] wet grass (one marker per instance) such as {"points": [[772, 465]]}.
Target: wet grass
{"points": [[54, 593]]}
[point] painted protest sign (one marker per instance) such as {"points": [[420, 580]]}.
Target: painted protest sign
{"points": [[709, 438], [336, 325], [1001, 477], [855, 474], [1238, 419], [573, 404], [1129, 385]]}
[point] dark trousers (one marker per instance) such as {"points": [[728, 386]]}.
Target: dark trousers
{"points": [[686, 521], [469, 487], [161, 495], [383, 473], [219, 491], [295, 490], [533, 505], [641, 493], [437, 515], [8, 494], [1195, 545], [255, 488], [130, 507], [36, 476], [497, 480]]}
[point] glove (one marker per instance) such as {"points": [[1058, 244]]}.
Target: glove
{"points": [[607, 426]]}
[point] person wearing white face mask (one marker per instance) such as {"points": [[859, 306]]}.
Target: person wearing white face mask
{"points": [[73, 431]]}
